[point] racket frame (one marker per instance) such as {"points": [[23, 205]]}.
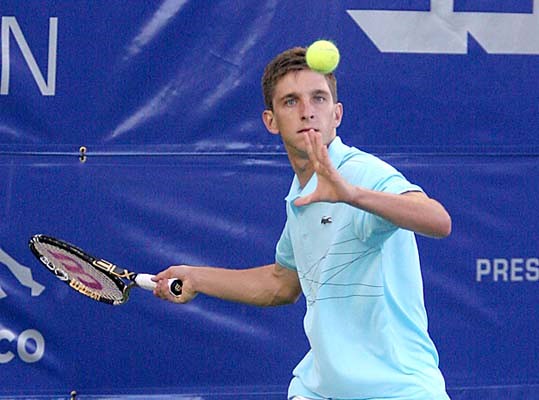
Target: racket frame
{"points": [[113, 272]]}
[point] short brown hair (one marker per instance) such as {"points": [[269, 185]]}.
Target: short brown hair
{"points": [[290, 60]]}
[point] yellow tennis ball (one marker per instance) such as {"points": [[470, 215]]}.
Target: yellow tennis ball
{"points": [[322, 56]]}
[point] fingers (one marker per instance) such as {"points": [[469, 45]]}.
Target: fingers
{"points": [[318, 146], [165, 274], [316, 150], [331, 187], [303, 201], [307, 137], [312, 139], [162, 289]]}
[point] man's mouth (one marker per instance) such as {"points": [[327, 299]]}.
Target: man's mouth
{"points": [[307, 130]]}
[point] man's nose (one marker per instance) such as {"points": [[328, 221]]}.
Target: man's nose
{"points": [[307, 112]]}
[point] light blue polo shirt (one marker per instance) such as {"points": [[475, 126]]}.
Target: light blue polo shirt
{"points": [[366, 320]]}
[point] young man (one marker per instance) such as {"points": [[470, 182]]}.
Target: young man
{"points": [[348, 245]]}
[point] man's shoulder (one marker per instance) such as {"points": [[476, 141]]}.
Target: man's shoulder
{"points": [[354, 156], [342, 153], [363, 168]]}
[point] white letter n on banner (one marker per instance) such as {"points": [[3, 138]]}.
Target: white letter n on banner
{"points": [[10, 24]]}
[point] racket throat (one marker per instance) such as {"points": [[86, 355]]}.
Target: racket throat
{"points": [[113, 269]]}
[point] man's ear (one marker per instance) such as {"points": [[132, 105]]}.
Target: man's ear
{"points": [[269, 121], [338, 114]]}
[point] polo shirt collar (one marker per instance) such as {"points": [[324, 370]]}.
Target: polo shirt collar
{"points": [[337, 151]]}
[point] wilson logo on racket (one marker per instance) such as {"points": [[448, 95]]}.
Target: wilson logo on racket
{"points": [[79, 287]]}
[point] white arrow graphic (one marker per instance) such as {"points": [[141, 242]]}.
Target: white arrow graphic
{"points": [[443, 31]]}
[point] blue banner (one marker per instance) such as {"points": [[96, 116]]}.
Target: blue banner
{"points": [[133, 129]]}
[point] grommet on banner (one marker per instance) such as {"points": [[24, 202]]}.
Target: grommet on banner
{"points": [[82, 154]]}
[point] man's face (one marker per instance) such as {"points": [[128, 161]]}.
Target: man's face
{"points": [[302, 101]]}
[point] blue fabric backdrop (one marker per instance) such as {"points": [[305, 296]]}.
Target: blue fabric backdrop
{"points": [[165, 96]]}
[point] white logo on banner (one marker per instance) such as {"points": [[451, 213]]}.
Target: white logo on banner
{"points": [[10, 25], [29, 345], [22, 273], [443, 31], [507, 270]]}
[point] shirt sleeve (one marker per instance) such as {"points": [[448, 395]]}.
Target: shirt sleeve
{"points": [[379, 176], [284, 255]]}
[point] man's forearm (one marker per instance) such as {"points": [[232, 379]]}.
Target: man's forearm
{"points": [[414, 211]]}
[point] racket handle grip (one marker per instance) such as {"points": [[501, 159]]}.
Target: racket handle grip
{"points": [[145, 282]]}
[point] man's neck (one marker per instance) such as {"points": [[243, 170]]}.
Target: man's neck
{"points": [[302, 166], [304, 170]]}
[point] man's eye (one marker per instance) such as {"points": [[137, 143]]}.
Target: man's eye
{"points": [[319, 99], [290, 102]]}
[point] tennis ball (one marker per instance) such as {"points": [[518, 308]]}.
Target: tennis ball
{"points": [[322, 56]]}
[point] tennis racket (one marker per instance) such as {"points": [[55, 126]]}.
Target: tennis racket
{"points": [[93, 277]]}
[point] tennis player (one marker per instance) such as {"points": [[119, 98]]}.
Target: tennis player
{"points": [[348, 245]]}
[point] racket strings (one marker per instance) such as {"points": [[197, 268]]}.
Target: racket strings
{"points": [[81, 272]]}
